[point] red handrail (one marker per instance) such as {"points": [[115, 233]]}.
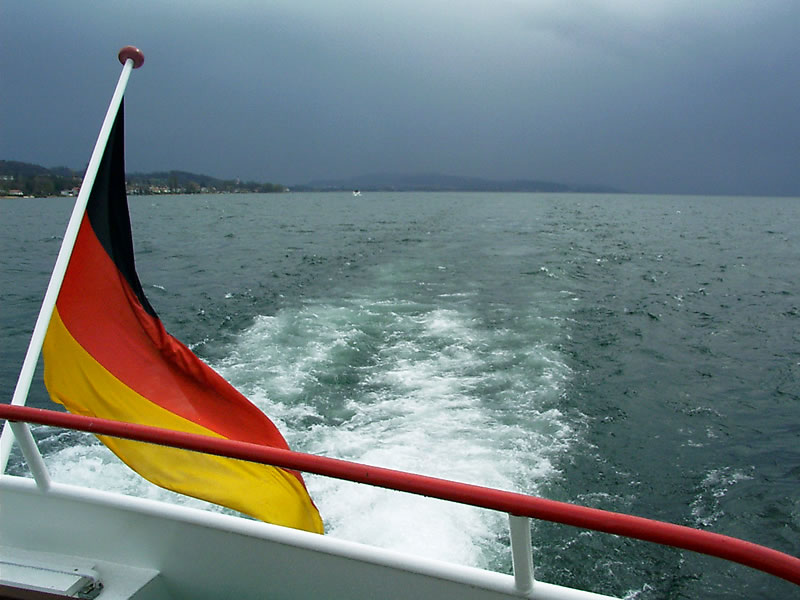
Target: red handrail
{"points": [[752, 555]]}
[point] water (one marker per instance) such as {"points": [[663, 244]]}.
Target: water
{"points": [[638, 354]]}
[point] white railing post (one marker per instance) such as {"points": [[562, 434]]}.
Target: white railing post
{"points": [[521, 552], [30, 451]]}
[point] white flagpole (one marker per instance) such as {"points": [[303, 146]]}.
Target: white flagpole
{"points": [[131, 58]]}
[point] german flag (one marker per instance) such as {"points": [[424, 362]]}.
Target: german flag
{"points": [[107, 354]]}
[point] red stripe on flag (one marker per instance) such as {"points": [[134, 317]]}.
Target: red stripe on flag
{"points": [[102, 313]]}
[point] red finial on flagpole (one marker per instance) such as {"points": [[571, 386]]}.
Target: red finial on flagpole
{"points": [[134, 54]]}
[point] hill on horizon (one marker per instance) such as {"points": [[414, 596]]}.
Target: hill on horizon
{"points": [[439, 182]]}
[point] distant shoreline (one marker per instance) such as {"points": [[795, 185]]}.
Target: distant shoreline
{"points": [[35, 180], [20, 179]]}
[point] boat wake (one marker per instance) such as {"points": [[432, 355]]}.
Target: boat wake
{"points": [[401, 385]]}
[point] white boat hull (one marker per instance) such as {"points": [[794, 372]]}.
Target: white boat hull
{"points": [[176, 552]]}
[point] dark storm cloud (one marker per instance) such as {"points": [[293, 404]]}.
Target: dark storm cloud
{"points": [[657, 96]]}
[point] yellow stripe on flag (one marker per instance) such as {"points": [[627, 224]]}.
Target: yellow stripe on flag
{"points": [[83, 386]]}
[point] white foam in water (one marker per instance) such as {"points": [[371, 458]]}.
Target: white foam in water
{"points": [[707, 505], [415, 402]]}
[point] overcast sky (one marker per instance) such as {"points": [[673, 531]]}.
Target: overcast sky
{"points": [[645, 95]]}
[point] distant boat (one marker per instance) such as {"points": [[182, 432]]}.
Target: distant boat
{"points": [[356, 193]]}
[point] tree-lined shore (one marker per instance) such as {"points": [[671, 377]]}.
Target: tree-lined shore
{"points": [[20, 179]]}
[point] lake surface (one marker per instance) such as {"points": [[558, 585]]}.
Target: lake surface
{"points": [[634, 353]]}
